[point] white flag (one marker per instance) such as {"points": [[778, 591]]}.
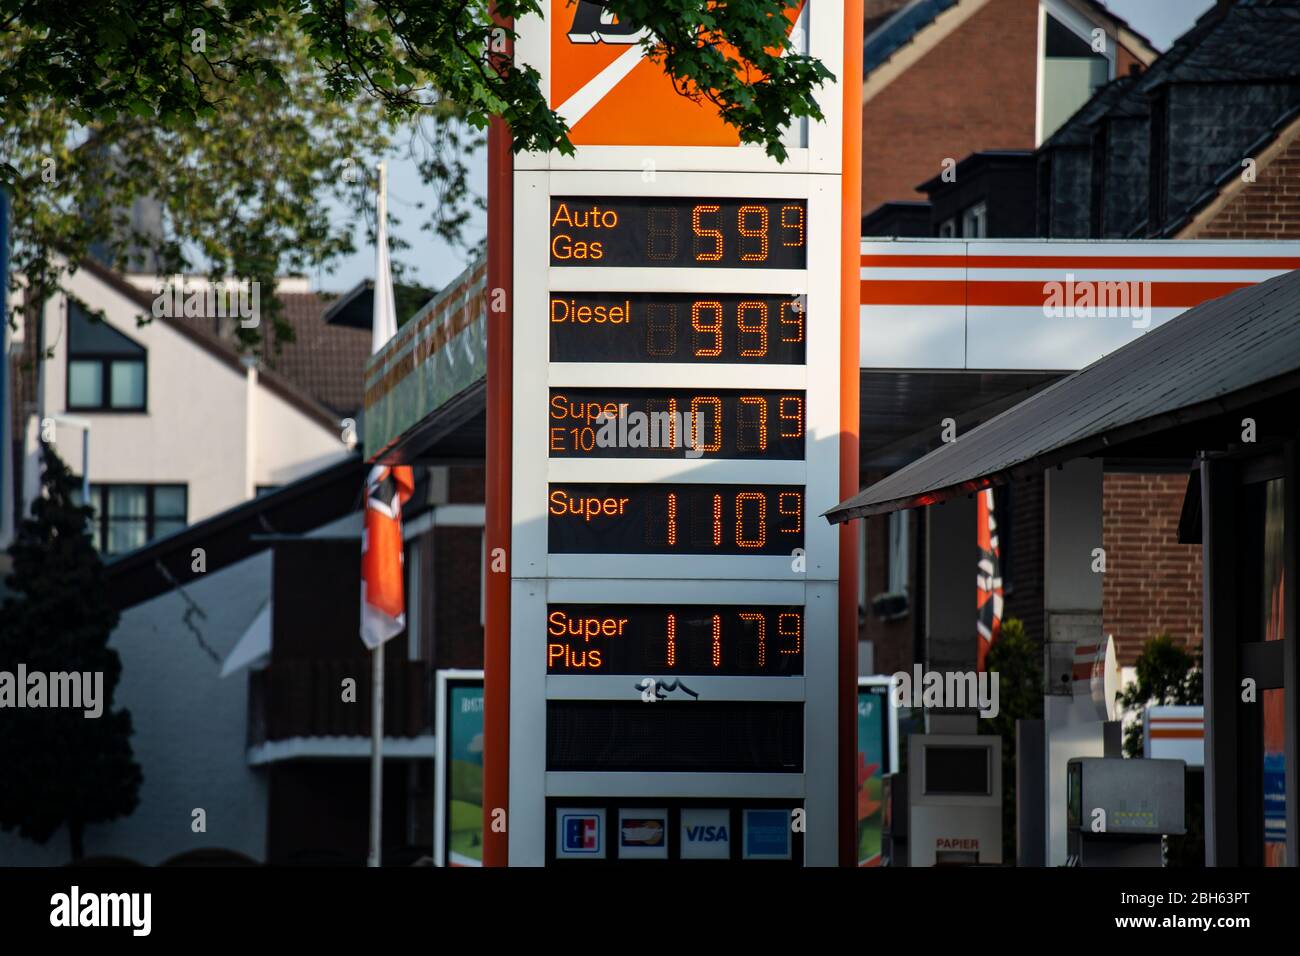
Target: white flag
{"points": [[384, 320]]}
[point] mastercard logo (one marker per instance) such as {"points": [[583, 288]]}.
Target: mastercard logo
{"points": [[611, 95], [643, 832]]}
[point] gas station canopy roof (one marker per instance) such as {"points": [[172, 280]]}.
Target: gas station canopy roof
{"points": [[1226, 354], [425, 389]]}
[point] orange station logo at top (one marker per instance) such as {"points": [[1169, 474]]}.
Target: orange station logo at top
{"points": [[611, 95]]}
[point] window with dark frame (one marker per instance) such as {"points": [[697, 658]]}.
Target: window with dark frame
{"points": [[975, 221], [107, 371], [127, 517], [896, 563], [894, 602], [1070, 72]]}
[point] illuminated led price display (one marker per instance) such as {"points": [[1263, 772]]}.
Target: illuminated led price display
{"points": [[722, 233], [676, 423], [617, 518], [677, 327], [674, 639]]}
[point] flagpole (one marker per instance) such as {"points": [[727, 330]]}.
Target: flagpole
{"points": [[377, 655], [376, 754]]}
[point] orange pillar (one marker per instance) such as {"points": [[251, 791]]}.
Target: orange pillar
{"points": [[850, 292], [496, 604]]}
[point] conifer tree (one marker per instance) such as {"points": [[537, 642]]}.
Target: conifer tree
{"points": [[59, 767]]}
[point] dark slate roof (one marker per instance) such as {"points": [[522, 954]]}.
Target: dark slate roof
{"points": [[355, 307], [968, 166], [1252, 40], [1229, 173], [1133, 104], [1212, 359], [1077, 130], [906, 217], [1160, 71], [899, 30]]}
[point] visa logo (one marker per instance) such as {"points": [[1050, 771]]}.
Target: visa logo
{"points": [[702, 834]]}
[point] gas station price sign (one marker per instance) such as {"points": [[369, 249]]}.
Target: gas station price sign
{"points": [[759, 329], [675, 342], [679, 232], [676, 422], [727, 640], [632, 518]]}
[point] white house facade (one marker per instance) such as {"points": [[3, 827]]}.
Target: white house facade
{"points": [[180, 426]]}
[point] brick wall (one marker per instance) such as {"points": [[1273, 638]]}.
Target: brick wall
{"points": [[1210, 127], [1268, 208], [456, 557], [974, 91], [1126, 63], [465, 484], [1152, 583], [457, 631]]}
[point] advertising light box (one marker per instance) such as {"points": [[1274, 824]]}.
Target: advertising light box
{"points": [[715, 328], [674, 639], [675, 438], [629, 518], [659, 422], [710, 233]]}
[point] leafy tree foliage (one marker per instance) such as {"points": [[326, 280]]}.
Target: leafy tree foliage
{"points": [[245, 191], [1018, 662], [246, 119], [61, 767], [1169, 674], [1166, 674], [178, 61]]}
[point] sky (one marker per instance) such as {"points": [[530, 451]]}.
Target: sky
{"points": [[434, 263], [431, 261], [1160, 21]]}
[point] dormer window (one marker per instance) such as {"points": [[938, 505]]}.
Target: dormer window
{"points": [[975, 221], [106, 369], [1075, 57]]}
